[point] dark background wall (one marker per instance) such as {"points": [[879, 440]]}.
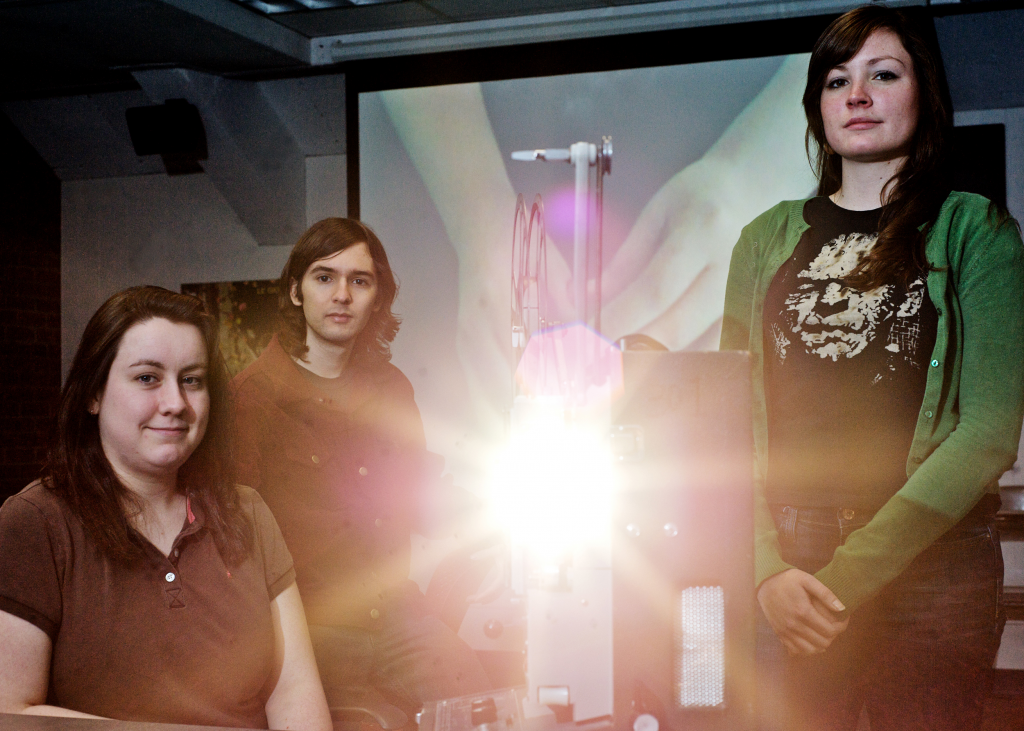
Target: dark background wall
{"points": [[29, 307]]}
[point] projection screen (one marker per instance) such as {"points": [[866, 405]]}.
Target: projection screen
{"points": [[700, 150]]}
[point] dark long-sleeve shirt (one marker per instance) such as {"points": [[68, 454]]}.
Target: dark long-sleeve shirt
{"points": [[342, 472]]}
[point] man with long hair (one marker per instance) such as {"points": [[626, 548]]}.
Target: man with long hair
{"points": [[330, 435]]}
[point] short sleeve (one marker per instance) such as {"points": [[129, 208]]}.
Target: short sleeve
{"points": [[29, 575], [278, 567]]}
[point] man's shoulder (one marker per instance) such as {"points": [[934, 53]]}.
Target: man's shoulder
{"points": [[266, 375], [386, 376], [393, 374]]}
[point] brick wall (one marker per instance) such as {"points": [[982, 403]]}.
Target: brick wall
{"points": [[29, 307]]}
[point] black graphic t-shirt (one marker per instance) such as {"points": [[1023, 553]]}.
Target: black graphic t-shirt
{"points": [[845, 370]]}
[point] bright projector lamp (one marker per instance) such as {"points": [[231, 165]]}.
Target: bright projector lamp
{"points": [[553, 484]]}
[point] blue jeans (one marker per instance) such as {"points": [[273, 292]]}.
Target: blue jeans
{"points": [[413, 658], [917, 656]]}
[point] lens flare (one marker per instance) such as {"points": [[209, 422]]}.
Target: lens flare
{"points": [[552, 485]]}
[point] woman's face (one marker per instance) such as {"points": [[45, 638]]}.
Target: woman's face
{"points": [[155, 404], [870, 103]]}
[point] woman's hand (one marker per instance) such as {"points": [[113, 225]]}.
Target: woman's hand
{"points": [[668, 278], [803, 612]]}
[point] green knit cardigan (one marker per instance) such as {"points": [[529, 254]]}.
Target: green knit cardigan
{"points": [[970, 419]]}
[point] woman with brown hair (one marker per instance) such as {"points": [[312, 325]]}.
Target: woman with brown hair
{"points": [[137, 582], [886, 321]]}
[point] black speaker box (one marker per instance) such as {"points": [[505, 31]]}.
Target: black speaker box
{"points": [[173, 130]]}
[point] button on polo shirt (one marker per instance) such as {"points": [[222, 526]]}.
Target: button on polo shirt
{"points": [[167, 567]]}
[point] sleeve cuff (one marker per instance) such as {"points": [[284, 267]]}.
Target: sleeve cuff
{"points": [[30, 615], [282, 583], [767, 563]]}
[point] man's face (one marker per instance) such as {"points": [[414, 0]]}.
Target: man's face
{"points": [[338, 295]]}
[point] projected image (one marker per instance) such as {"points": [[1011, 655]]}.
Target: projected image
{"points": [[700, 150]]}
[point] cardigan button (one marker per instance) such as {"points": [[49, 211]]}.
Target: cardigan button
{"points": [[935, 364], [374, 614], [170, 577], [316, 460], [363, 471], [928, 414]]}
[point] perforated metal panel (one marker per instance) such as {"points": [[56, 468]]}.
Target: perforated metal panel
{"points": [[700, 647]]}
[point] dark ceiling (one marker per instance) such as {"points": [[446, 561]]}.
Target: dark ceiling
{"points": [[404, 13], [54, 48], [64, 47]]}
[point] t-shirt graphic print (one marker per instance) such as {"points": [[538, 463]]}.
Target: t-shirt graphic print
{"points": [[833, 320]]}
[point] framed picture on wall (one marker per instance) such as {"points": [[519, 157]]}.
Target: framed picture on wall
{"points": [[248, 317]]}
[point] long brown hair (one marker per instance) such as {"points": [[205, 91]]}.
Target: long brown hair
{"points": [[77, 468], [918, 189], [323, 239]]}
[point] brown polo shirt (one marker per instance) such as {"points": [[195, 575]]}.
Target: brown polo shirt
{"points": [[183, 638]]}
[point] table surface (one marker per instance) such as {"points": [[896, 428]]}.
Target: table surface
{"points": [[14, 722]]}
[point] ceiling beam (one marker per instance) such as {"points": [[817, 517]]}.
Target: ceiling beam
{"points": [[247, 24], [651, 16]]}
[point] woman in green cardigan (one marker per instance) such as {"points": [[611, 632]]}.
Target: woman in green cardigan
{"points": [[886, 321]]}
